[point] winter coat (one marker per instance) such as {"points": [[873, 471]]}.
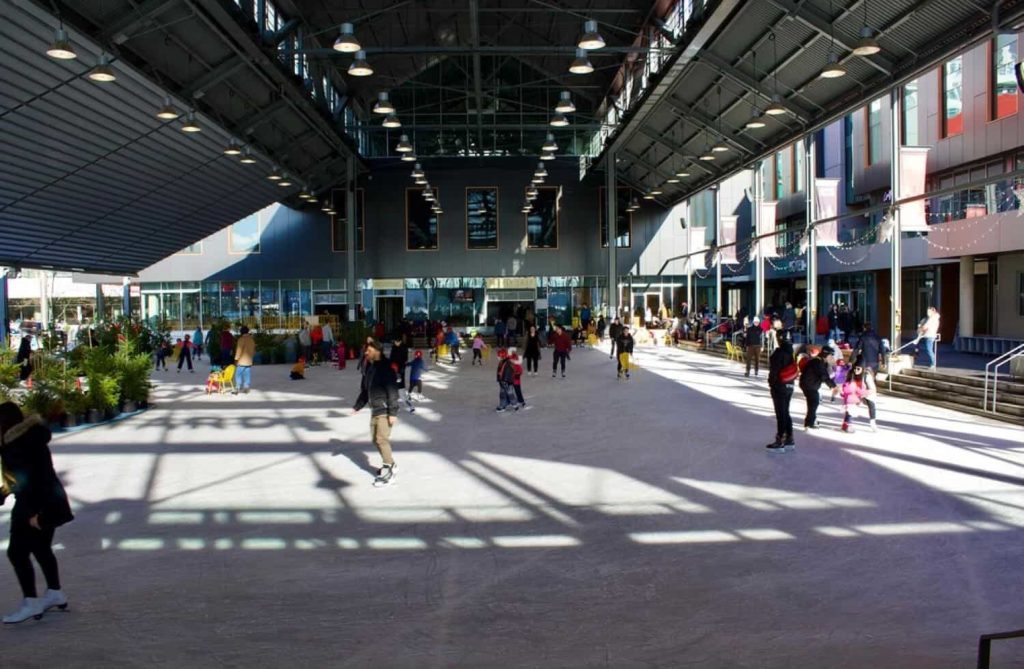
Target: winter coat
{"points": [[400, 355], [815, 374], [416, 369], [853, 392], [870, 347], [614, 330], [753, 336], [245, 351], [379, 389], [562, 343], [30, 477], [506, 371], [451, 338], [780, 358], [532, 349], [624, 344]]}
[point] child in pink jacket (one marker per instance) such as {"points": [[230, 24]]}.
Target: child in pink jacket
{"points": [[857, 389]]}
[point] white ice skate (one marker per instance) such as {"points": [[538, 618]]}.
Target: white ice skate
{"points": [[31, 607], [55, 599]]}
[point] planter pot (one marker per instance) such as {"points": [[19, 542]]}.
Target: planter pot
{"points": [[113, 413], [94, 416], [129, 406]]}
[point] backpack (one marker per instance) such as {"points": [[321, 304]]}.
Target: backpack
{"points": [[505, 372]]}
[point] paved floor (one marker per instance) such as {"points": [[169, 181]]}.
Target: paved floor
{"points": [[612, 524]]}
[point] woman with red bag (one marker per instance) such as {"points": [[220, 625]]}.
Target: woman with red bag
{"points": [[782, 372]]}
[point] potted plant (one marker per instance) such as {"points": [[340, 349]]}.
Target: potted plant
{"points": [[133, 371], [76, 404], [102, 396]]}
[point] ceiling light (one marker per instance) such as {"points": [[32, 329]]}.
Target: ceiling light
{"points": [[383, 104], [833, 70], [682, 174], [247, 158], [190, 123], [719, 148], [547, 155], [549, 143], [867, 45], [232, 149], [347, 42], [326, 207], [565, 105], [391, 121], [537, 180], [531, 193], [417, 171], [285, 181], [167, 112], [559, 121], [582, 64], [633, 204], [409, 158], [707, 155], [775, 108], [672, 180], [102, 73], [359, 66], [403, 145], [540, 171], [591, 39], [61, 48], [307, 196], [755, 121], [648, 195], [421, 181], [656, 190], [274, 174]]}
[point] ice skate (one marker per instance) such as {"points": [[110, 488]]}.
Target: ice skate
{"points": [[31, 607], [386, 476], [55, 599], [873, 426]]}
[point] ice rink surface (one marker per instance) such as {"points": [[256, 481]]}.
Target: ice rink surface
{"points": [[613, 523]]}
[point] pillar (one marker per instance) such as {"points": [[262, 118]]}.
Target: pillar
{"points": [[350, 238], [811, 314], [5, 318], [967, 296], [611, 209], [896, 257], [718, 256], [758, 174]]}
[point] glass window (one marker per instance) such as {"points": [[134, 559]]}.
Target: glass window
{"points": [[339, 238], [249, 298], [910, 131], [952, 99], [481, 218], [291, 297], [780, 184], [244, 236], [623, 220], [1004, 81], [190, 311], [542, 221], [798, 165], [420, 221], [171, 310], [211, 302], [230, 307], [874, 131]]}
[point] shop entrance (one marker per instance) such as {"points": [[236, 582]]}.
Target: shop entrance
{"points": [[389, 312]]}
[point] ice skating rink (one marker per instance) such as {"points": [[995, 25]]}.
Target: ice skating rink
{"points": [[612, 524]]}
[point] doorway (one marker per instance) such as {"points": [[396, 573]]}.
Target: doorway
{"points": [[389, 312]]}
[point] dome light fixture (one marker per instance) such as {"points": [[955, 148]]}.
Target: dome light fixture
{"points": [[409, 158], [775, 108], [565, 104], [232, 149], [167, 112], [591, 39], [275, 175], [326, 206], [540, 171], [832, 69], [359, 67], [61, 48], [537, 180], [421, 181], [531, 193], [284, 181], [867, 45], [190, 124], [559, 121], [756, 121], [549, 143], [648, 195], [672, 180], [403, 145], [428, 194], [707, 155], [391, 121], [102, 73], [247, 158], [581, 65], [656, 190], [719, 148], [346, 41], [383, 104], [417, 172], [682, 173], [547, 155]]}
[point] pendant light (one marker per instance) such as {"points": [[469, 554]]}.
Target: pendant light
{"points": [[417, 172], [559, 121], [540, 171], [581, 65], [247, 158], [565, 104], [403, 145], [549, 143], [409, 158], [755, 122], [274, 175], [391, 121], [648, 195], [359, 67], [326, 207], [672, 180], [591, 39], [547, 155], [775, 108], [867, 45], [720, 146], [347, 42], [531, 193], [633, 204], [682, 173], [190, 123], [537, 180], [232, 149], [167, 112], [656, 190], [383, 104], [284, 181], [61, 48], [832, 69], [102, 73]]}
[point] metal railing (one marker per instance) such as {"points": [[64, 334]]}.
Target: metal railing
{"points": [[985, 645], [993, 368]]}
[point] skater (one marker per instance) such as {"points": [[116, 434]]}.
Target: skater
{"points": [[24, 358], [614, 330], [532, 351], [399, 361], [186, 354], [926, 334], [378, 389], [813, 375], [163, 351], [517, 378], [478, 348], [753, 337], [451, 338], [298, 372], [602, 325], [197, 341], [858, 389], [227, 347], [782, 372], [416, 369], [625, 348], [306, 342], [40, 507], [328, 340], [562, 345], [869, 347], [245, 350], [505, 377]]}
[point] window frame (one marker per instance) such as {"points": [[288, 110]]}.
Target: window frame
{"points": [[870, 135], [993, 79], [780, 182], [799, 168], [259, 236], [943, 113], [558, 213], [437, 220], [905, 113], [497, 217]]}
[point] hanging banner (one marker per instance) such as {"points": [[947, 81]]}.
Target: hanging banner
{"points": [[696, 245], [826, 195], [913, 168], [769, 246], [727, 235]]}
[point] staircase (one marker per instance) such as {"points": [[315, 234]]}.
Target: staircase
{"points": [[958, 391]]}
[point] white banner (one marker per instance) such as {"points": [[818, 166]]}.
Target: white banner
{"points": [[913, 168]]}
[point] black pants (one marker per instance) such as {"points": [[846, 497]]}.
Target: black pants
{"points": [[477, 356], [813, 400], [531, 364], [519, 393], [559, 355], [186, 355], [781, 396], [614, 342], [25, 542]]}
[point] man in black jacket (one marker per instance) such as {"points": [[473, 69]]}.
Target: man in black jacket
{"points": [[816, 373], [752, 342], [781, 390], [379, 390], [614, 330], [869, 347], [624, 344]]}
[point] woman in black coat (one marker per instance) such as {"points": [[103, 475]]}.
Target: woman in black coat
{"points": [[25, 357], [531, 352], [814, 375], [41, 506], [781, 390]]}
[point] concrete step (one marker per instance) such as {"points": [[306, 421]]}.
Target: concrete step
{"points": [[1005, 383], [1007, 412], [955, 388]]}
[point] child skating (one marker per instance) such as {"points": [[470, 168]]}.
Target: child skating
{"points": [[517, 378], [478, 349], [416, 369]]}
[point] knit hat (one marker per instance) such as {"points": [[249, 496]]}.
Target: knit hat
{"points": [[418, 354]]}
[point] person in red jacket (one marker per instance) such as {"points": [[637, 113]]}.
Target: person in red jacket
{"points": [[563, 345], [517, 377]]}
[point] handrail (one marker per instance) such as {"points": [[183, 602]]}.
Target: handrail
{"points": [[985, 645], [1005, 358]]}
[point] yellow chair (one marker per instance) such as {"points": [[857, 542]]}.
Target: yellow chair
{"points": [[221, 380], [733, 352]]}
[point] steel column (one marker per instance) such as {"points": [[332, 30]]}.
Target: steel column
{"points": [[718, 254], [811, 306], [896, 258], [350, 238], [758, 174], [611, 212]]}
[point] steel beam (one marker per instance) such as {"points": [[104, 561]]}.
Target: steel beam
{"points": [[676, 148], [219, 73], [118, 32], [750, 83]]}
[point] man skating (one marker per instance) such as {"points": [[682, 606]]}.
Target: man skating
{"points": [[379, 389]]}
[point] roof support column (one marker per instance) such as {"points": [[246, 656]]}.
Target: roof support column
{"points": [[758, 176], [811, 306], [718, 253], [611, 214], [896, 259], [4, 319], [350, 237]]}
